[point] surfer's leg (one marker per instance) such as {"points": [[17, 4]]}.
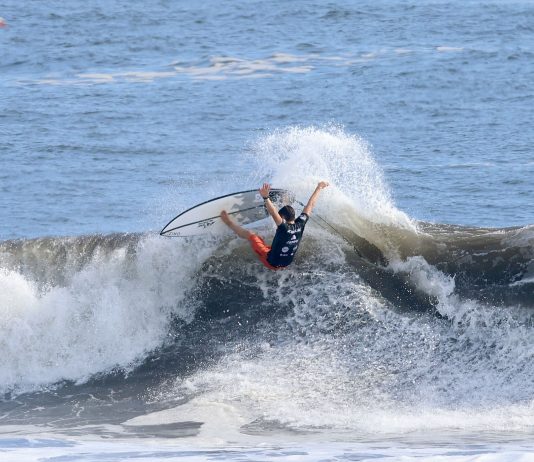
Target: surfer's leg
{"points": [[239, 230]]}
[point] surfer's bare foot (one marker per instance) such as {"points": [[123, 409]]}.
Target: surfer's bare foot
{"points": [[225, 217], [239, 230]]}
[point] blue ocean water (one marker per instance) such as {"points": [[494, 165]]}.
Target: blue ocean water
{"points": [[106, 106], [116, 116]]}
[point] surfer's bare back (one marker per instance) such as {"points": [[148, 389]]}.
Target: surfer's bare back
{"points": [[288, 232]]}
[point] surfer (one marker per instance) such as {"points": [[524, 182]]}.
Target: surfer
{"points": [[288, 232]]}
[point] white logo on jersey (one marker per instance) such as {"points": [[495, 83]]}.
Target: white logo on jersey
{"points": [[285, 249]]}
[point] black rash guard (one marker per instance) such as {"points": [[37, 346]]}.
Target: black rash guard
{"points": [[286, 241]]}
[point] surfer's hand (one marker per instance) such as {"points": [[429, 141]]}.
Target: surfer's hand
{"points": [[322, 184], [264, 190]]}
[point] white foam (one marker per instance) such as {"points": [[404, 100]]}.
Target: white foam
{"points": [[151, 449], [495, 338], [527, 280], [216, 68], [346, 361], [522, 237], [358, 198], [224, 67], [298, 157], [108, 314], [426, 277], [309, 388], [445, 49]]}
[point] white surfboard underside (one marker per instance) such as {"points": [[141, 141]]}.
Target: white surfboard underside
{"points": [[244, 207]]}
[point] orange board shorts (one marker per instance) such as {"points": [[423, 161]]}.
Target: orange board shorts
{"points": [[262, 250]]}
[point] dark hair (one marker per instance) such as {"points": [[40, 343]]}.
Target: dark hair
{"points": [[287, 213]]}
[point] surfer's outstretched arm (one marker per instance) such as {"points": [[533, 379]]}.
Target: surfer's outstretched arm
{"points": [[264, 191], [313, 198], [239, 230]]}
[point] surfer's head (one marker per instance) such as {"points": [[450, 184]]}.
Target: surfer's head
{"points": [[287, 213]]}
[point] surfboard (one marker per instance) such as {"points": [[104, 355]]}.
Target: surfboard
{"points": [[244, 207]]}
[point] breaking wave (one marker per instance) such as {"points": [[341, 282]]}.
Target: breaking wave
{"points": [[382, 324]]}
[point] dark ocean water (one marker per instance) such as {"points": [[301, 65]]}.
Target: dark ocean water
{"points": [[411, 337]]}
